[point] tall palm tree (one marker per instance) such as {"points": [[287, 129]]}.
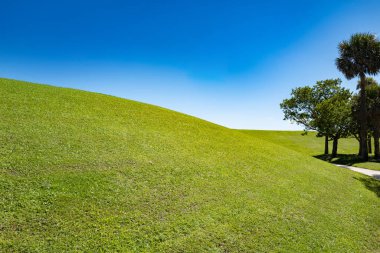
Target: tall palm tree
{"points": [[360, 56]]}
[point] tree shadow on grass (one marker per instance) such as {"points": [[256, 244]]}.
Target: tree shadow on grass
{"points": [[344, 159], [371, 184]]}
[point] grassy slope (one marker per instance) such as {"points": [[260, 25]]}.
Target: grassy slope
{"points": [[87, 172], [311, 145]]}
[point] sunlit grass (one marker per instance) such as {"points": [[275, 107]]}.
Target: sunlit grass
{"points": [[84, 172], [311, 145]]}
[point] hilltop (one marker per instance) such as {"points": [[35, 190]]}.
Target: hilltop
{"points": [[81, 171]]}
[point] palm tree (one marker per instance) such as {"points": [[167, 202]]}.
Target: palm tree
{"points": [[360, 56]]}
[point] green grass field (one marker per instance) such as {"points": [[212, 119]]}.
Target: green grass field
{"points": [[85, 172], [313, 146]]}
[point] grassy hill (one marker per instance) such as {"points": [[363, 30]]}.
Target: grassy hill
{"points": [[312, 146], [81, 171]]}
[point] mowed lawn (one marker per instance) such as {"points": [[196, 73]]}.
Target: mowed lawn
{"points": [[314, 146], [85, 172]]}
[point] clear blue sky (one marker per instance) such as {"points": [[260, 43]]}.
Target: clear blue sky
{"points": [[229, 62]]}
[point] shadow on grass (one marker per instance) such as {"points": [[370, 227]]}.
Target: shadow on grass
{"points": [[344, 159], [371, 184]]}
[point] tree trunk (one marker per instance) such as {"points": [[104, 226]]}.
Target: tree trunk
{"points": [[326, 145], [335, 147], [376, 136], [369, 144], [363, 119]]}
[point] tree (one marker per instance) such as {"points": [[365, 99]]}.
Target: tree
{"points": [[333, 117], [360, 56], [373, 114], [354, 129], [373, 108], [301, 107]]}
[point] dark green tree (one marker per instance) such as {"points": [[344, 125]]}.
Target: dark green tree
{"points": [[360, 56], [333, 117], [373, 119], [354, 129], [373, 108]]}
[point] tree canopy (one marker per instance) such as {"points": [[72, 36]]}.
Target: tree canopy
{"points": [[359, 55], [324, 107]]}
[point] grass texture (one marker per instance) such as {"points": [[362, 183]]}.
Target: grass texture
{"points": [[314, 146], [85, 172]]}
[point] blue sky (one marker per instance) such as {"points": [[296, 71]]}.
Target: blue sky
{"points": [[229, 62]]}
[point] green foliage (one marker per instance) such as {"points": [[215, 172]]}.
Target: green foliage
{"points": [[324, 107], [359, 55], [372, 104], [299, 108], [373, 95], [369, 81], [332, 116], [372, 101], [84, 172]]}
